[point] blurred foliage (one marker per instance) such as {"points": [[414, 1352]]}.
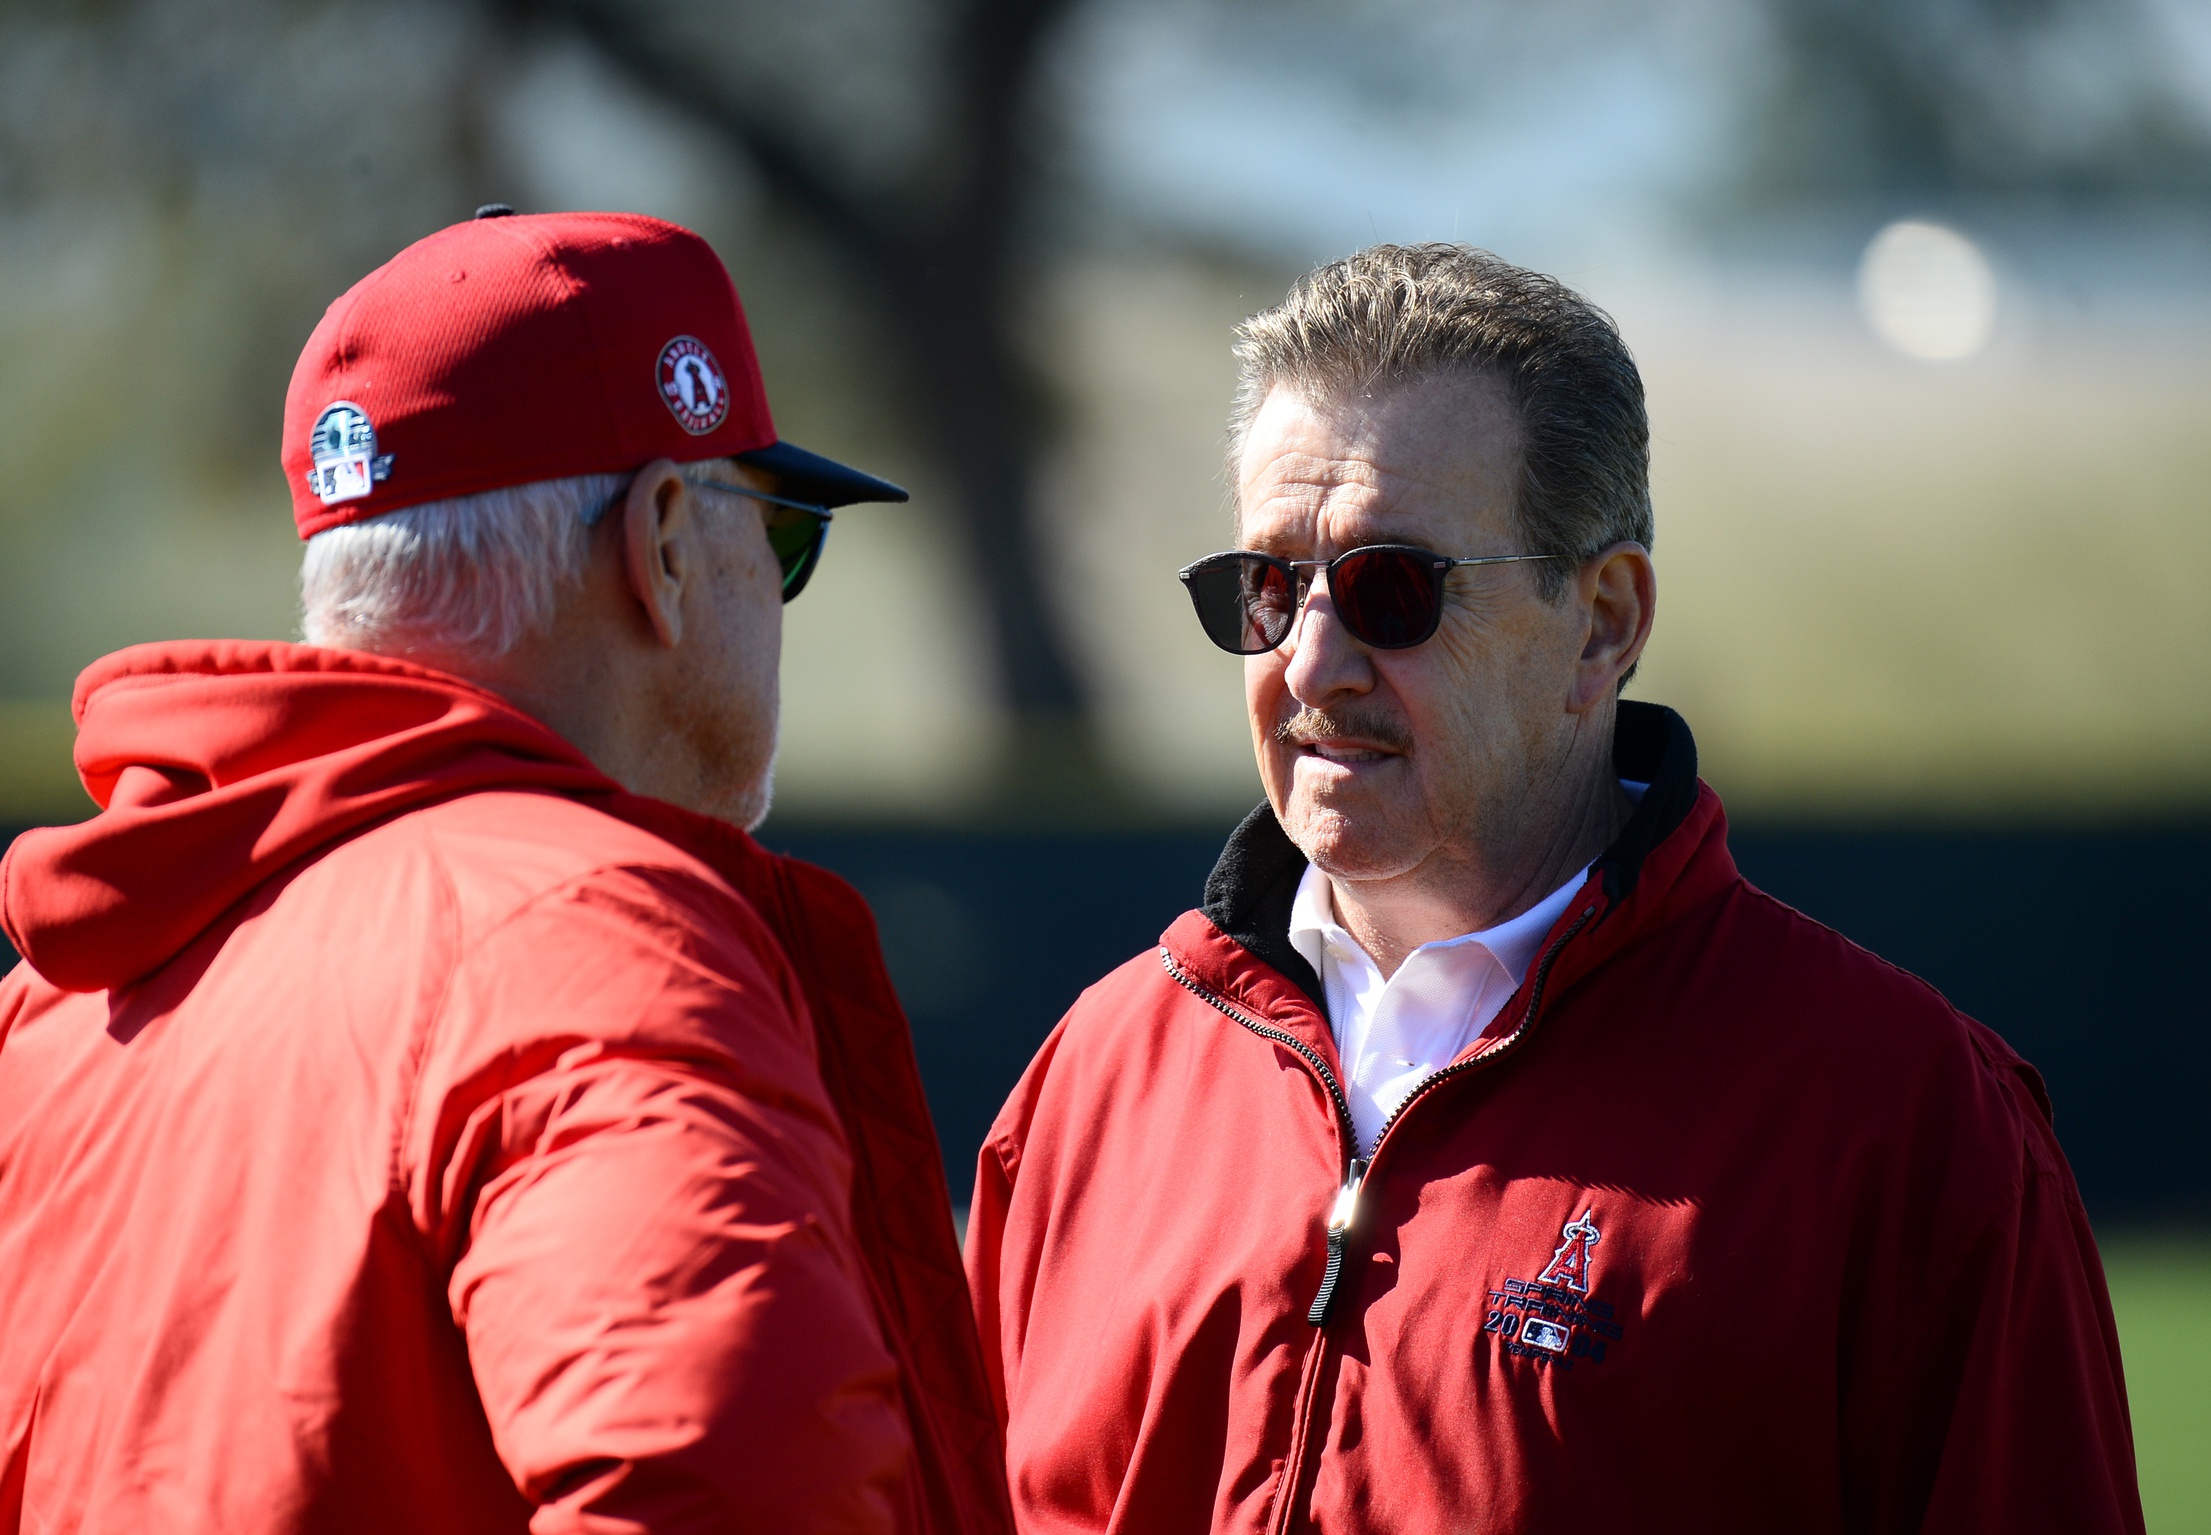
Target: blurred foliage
{"points": [[901, 135], [292, 147], [37, 780], [1946, 100]]}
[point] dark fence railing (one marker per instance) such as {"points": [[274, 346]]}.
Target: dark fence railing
{"points": [[2085, 949]]}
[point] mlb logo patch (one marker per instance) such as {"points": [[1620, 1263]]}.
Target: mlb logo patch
{"points": [[1548, 1336], [346, 465]]}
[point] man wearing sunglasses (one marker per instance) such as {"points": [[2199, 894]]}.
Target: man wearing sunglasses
{"points": [[422, 1106], [1484, 1153]]}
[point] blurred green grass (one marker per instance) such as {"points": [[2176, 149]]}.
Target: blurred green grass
{"points": [[2161, 1294], [38, 776]]}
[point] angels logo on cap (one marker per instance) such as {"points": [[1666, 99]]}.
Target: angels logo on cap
{"points": [[343, 448], [691, 382]]}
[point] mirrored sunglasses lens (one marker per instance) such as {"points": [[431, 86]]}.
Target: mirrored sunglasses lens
{"points": [[1245, 604], [1389, 598], [797, 538], [791, 534]]}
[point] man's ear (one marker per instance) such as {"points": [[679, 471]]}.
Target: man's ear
{"points": [[658, 546], [1618, 589]]}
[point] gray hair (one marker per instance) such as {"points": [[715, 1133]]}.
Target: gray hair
{"points": [[1393, 315], [471, 576]]}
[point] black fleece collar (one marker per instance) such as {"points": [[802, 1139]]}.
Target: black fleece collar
{"points": [[1650, 744], [1248, 896], [1249, 893]]}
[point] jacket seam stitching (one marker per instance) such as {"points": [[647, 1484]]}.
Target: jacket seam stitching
{"points": [[1005, 1150], [1918, 982], [425, 1039]]}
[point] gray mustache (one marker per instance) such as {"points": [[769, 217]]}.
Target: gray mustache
{"points": [[1309, 725]]}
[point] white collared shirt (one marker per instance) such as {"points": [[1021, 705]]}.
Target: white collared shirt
{"points": [[1393, 1033]]}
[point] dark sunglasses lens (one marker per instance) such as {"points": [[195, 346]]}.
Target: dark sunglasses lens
{"points": [[796, 537], [1244, 602], [1388, 598]]}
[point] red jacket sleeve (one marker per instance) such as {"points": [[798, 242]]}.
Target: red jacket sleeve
{"points": [[627, 1154], [986, 1241], [992, 1290], [1992, 1397]]}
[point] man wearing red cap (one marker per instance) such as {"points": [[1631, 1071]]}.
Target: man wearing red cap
{"points": [[421, 1106]]}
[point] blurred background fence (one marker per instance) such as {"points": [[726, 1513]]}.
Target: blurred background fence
{"points": [[990, 935], [1921, 290]]}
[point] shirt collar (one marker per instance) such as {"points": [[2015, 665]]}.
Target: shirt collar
{"points": [[1313, 926], [1312, 917]]}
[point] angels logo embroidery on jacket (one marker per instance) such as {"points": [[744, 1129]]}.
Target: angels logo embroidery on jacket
{"points": [[1569, 1266], [1553, 1320]]}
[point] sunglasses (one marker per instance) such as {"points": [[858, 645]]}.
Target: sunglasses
{"points": [[796, 532], [1390, 596]]}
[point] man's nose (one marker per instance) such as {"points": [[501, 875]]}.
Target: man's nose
{"points": [[1324, 660]]}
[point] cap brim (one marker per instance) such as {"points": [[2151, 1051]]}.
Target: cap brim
{"points": [[810, 477]]}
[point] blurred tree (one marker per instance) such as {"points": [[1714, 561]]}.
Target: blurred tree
{"points": [[184, 184], [1832, 100], [900, 132], [259, 155], [1903, 100], [904, 135]]}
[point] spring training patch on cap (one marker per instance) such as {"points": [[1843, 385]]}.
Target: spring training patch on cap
{"points": [[343, 447], [691, 382]]}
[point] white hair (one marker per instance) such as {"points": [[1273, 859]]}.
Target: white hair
{"points": [[471, 576]]}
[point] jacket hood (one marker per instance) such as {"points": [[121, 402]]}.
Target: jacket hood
{"points": [[217, 763]]}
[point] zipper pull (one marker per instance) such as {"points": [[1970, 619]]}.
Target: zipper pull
{"points": [[1341, 1217]]}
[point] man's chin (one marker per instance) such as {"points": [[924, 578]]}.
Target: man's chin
{"points": [[744, 804], [1351, 835], [752, 806]]}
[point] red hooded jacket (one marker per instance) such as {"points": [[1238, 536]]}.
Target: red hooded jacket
{"points": [[403, 1128], [1723, 1225]]}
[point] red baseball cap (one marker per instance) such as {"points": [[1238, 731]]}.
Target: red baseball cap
{"points": [[518, 348]]}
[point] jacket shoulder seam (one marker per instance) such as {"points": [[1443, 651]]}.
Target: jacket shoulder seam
{"points": [[1918, 983], [419, 1055], [464, 954]]}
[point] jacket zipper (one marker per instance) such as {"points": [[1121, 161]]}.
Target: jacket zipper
{"points": [[1345, 1208], [1343, 1213], [1340, 1217]]}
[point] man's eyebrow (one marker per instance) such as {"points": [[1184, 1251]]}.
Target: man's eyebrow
{"points": [[1419, 540], [1286, 548]]}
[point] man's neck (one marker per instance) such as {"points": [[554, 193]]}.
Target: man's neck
{"points": [[1458, 891], [591, 696]]}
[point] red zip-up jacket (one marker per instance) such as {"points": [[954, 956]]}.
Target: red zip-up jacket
{"points": [[403, 1128], [1722, 1225]]}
